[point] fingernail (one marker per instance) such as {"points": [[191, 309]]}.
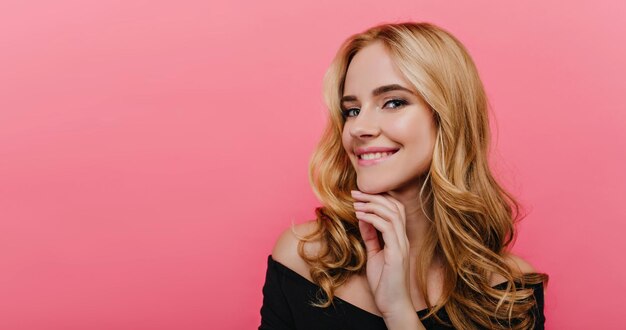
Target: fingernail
{"points": [[355, 192], [358, 204]]}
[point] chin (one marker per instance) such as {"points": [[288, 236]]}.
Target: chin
{"points": [[373, 187]]}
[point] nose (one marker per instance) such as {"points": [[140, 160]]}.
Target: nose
{"points": [[365, 124]]}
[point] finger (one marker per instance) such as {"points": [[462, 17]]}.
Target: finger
{"points": [[388, 215], [401, 210], [368, 233], [399, 206], [380, 210], [383, 199], [383, 226], [364, 197], [396, 213]]}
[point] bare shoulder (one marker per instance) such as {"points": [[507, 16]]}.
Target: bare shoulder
{"points": [[286, 248], [519, 266]]}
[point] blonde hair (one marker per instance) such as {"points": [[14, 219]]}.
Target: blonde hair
{"points": [[472, 216]]}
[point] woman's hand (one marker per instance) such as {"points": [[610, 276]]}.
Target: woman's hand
{"points": [[387, 268]]}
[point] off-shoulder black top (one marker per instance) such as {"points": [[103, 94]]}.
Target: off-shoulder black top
{"points": [[286, 297]]}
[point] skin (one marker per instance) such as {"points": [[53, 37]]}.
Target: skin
{"points": [[381, 121], [388, 196], [388, 200]]}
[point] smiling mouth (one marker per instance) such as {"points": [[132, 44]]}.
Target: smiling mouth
{"points": [[376, 155], [371, 159]]}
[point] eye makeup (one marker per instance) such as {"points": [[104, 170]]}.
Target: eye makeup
{"points": [[399, 103]]}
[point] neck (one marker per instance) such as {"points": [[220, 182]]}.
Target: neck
{"points": [[417, 224], [417, 227]]}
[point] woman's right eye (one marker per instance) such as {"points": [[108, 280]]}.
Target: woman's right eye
{"points": [[346, 112]]}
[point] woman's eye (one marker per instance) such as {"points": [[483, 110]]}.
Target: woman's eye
{"points": [[391, 104], [395, 103], [347, 112]]}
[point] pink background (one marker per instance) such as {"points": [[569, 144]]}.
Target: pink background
{"points": [[152, 151]]}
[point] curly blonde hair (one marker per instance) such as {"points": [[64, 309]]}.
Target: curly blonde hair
{"points": [[472, 216]]}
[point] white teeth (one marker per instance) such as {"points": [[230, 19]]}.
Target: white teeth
{"points": [[375, 155]]}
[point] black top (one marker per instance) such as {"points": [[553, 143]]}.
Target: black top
{"points": [[286, 297]]}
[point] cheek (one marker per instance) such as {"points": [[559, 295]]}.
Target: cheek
{"points": [[346, 141], [345, 138], [415, 130], [405, 130]]}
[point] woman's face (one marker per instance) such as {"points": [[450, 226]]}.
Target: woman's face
{"points": [[383, 112]]}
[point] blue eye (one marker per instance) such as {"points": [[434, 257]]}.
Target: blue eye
{"points": [[393, 104], [398, 103], [346, 112]]}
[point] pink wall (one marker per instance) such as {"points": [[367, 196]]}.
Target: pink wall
{"points": [[151, 151]]}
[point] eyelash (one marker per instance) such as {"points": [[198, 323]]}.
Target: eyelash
{"points": [[400, 102]]}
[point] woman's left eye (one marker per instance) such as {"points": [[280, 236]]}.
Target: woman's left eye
{"points": [[396, 103]]}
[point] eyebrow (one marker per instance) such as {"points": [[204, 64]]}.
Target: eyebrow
{"points": [[378, 91]]}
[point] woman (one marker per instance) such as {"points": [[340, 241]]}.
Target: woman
{"points": [[414, 230]]}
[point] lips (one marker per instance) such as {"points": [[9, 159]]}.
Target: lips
{"points": [[370, 150], [374, 161]]}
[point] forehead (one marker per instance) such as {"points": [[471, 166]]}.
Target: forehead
{"points": [[372, 67]]}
